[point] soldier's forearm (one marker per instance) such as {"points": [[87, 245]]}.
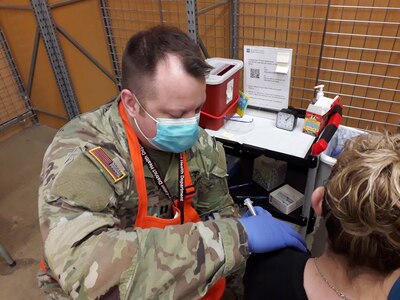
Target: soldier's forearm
{"points": [[193, 258], [149, 261]]}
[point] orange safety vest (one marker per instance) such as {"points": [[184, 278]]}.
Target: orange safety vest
{"points": [[145, 221]]}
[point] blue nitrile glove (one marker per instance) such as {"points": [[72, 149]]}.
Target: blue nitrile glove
{"points": [[266, 233]]}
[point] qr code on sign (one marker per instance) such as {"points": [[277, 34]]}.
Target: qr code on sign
{"points": [[255, 73]]}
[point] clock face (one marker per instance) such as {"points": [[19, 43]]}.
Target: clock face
{"points": [[285, 121]]}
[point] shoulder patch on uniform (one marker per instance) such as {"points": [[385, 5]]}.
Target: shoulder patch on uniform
{"points": [[107, 163]]}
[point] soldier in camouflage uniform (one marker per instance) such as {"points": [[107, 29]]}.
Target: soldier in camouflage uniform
{"points": [[89, 202]]}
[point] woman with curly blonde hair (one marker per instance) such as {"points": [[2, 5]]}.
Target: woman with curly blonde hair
{"points": [[361, 207]]}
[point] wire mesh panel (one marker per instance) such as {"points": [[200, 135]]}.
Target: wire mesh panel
{"points": [[214, 25], [360, 61], [123, 18], [296, 24], [350, 46], [14, 105]]}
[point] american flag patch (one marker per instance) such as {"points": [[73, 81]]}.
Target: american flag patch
{"points": [[107, 163]]}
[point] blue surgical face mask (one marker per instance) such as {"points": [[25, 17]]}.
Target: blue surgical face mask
{"points": [[173, 135]]}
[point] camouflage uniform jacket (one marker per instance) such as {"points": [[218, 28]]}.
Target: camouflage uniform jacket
{"points": [[87, 218]]}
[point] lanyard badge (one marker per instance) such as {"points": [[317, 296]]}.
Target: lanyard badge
{"points": [[161, 184]]}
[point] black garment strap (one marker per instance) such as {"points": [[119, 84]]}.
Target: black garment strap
{"points": [[160, 181]]}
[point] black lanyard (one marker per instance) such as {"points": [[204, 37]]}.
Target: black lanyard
{"points": [[160, 182]]}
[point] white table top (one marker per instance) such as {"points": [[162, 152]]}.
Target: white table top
{"points": [[263, 133]]}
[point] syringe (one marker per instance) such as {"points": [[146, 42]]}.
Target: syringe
{"points": [[249, 205]]}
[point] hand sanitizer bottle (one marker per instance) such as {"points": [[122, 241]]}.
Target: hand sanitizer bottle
{"points": [[319, 93]]}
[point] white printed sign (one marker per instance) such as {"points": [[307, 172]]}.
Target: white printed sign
{"points": [[267, 76]]}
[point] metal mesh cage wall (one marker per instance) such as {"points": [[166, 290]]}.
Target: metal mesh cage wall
{"points": [[14, 104], [352, 47]]}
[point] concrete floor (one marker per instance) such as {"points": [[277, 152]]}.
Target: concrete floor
{"points": [[20, 164]]}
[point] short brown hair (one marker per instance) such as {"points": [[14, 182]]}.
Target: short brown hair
{"points": [[147, 48], [363, 194]]}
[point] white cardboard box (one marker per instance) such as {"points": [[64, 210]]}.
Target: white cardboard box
{"points": [[286, 199], [316, 115]]}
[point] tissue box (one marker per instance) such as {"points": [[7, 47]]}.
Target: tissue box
{"points": [[286, 199], [317, 115], [268, 172]]}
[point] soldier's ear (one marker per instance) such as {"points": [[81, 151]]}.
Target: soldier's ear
{"points": [[130, 104]]}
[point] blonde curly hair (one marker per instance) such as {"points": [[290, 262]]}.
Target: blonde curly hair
{"points": [[362, 207]]}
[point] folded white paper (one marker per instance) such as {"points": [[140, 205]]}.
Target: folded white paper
{"points": [[283, 69], [282, 62]]}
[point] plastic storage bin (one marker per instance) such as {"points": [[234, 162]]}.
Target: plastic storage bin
{"points": [[222, 91], [335, 147]]}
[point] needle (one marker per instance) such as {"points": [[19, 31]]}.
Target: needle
{"points": [[249, 205]]}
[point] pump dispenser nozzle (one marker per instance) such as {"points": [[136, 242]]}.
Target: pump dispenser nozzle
{"points": [[319, 92]]}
